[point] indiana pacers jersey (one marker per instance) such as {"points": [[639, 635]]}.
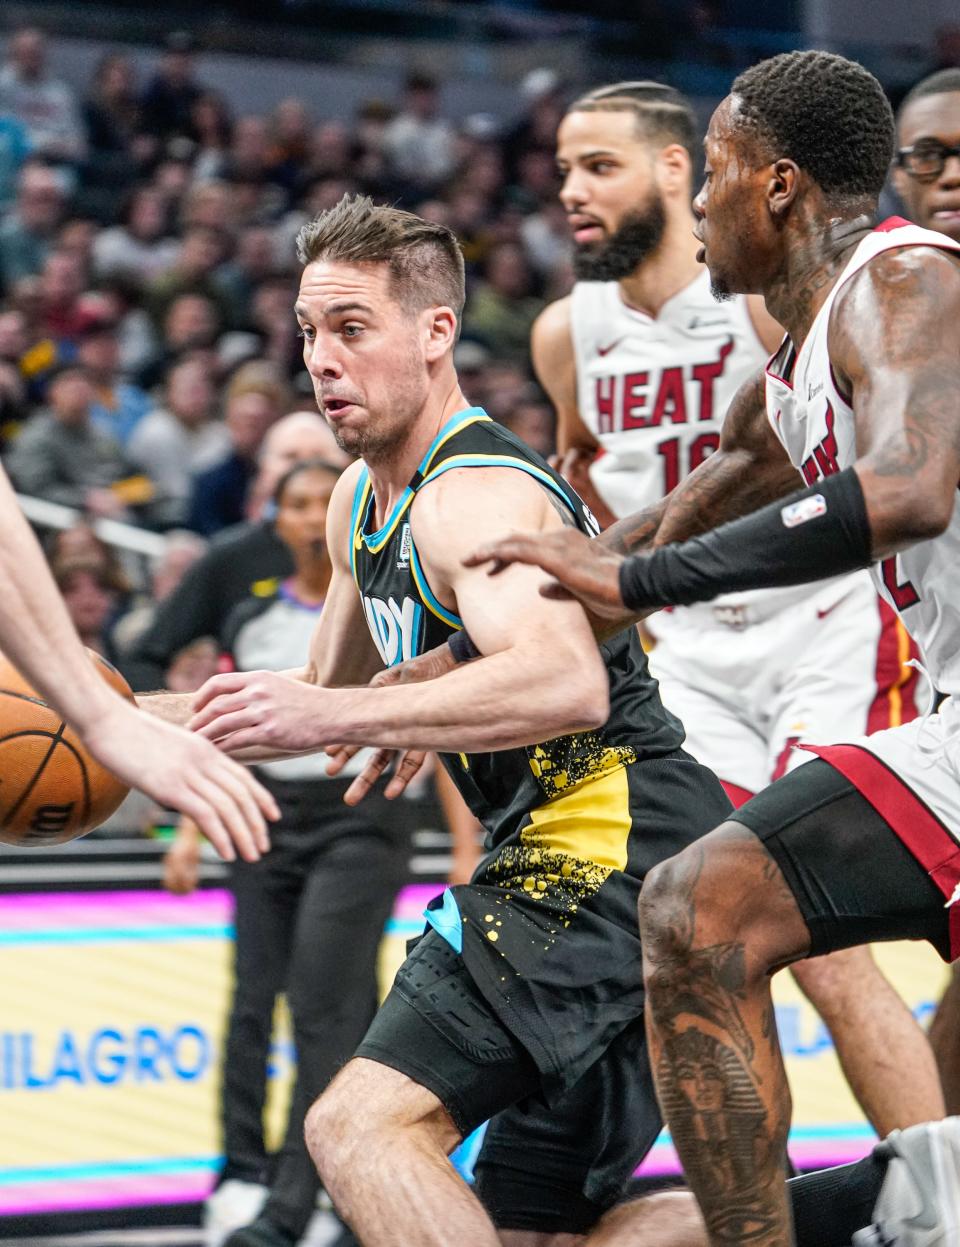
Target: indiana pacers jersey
{"points": [[504, 789], [814, 419]]}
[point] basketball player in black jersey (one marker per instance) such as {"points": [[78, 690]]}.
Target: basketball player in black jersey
{"points": [[523, 1000]]}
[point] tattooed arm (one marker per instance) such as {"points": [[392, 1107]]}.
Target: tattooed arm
{"points": [[895, 345]]}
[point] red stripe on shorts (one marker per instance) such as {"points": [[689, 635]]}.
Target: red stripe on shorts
{"points": [[908, 815], [896, 683], [738, 796]]}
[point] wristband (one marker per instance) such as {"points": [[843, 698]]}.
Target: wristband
{"points": [[820, 532], [462, 647]]}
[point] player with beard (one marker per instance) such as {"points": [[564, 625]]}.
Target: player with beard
{"points": [[642, 362]]}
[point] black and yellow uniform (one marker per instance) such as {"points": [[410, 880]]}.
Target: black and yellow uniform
{"points": [[532, 972]]}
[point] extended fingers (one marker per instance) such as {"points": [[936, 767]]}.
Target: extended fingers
{"points": [[409, 766], [229, 682], [377, 764], [515, 549]]}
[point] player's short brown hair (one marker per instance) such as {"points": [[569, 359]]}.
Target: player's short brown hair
{"points": [[425, 261]]}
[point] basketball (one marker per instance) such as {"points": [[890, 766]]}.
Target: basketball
{"points": [[51, 789]]}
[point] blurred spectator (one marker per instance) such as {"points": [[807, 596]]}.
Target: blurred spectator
{"points": [[76, 237], [546, 239], [62, 456], [255, 400], [418, 142], [118, 406], [181, 551], [241, 560], [173, 442], [502, 307], [112, 112], [14, 407], [45, 106], [208, 203], [14, 149], [542, 91], [61, 284], [119, 148], [140, 248], [171, 94], [212, 124], [28, 231], [80, 541], [301, 435], [92, 597], [248, 154], [532, 420], [254, 262], [289, 143], [192, 323], [202, 249]]}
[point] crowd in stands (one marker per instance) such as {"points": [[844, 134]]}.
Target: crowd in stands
{"points": [[148, 275], [147, 259]]}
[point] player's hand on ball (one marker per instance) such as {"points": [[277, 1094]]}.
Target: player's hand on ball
{"points": [[186, 773], [581, 568]]}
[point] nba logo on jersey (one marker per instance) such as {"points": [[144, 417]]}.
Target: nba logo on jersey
{"points": [[395, 629], [403, 557]]}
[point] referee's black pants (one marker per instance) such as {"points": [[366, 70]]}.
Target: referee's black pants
{"points": [[309, 919]]}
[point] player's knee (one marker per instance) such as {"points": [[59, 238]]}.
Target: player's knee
{"points": [[340, 1126], [329, 1130], [688, 886]]}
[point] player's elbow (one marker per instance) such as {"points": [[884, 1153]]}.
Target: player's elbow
{"points": [[920, 515], [585, 705], [904, 511]]}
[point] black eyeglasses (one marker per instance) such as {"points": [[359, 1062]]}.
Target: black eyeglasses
{"points": [[926, 159]]}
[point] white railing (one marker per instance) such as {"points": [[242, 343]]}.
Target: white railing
{"points": [[113, 532]]}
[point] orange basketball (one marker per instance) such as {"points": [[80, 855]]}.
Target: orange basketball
{"points": [[51, 789]]}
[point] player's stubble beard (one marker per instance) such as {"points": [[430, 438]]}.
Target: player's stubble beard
{"points": [[385, 437], [638, 235]]}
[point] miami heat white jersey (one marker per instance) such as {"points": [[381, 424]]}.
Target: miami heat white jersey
{"points": [[654, 390], [814, 420]]}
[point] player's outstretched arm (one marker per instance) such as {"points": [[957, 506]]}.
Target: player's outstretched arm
{"points": [[749, 469], [177, 770], [894, 345], [541, 674]]}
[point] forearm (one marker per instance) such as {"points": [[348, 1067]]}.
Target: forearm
{"points": [[506, 701], [725, 487], [819, 532], [171, 707]]}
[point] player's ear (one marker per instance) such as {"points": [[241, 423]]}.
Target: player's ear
{"points": [[783, 186], [674, 170], [441, 331]]}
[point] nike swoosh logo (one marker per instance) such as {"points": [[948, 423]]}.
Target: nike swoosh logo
{"points": [[822, 614], [605, 350], [698, 323]]}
